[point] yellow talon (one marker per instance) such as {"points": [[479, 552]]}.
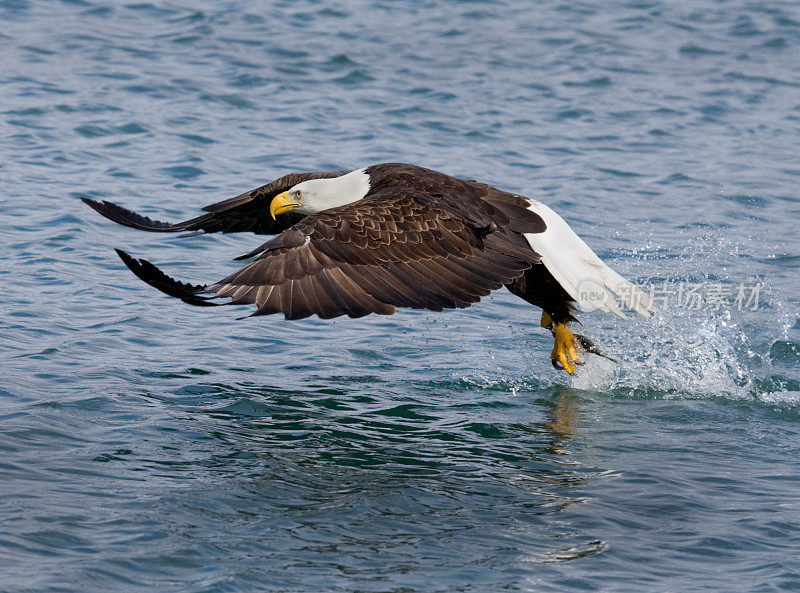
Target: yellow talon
{"points": [[571, 350], [564, 348]]}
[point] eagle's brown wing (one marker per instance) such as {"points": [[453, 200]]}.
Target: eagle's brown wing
{"points": [[246, 212], [395, 248]]}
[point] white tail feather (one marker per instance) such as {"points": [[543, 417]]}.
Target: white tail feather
{"points": [[580, 272]]}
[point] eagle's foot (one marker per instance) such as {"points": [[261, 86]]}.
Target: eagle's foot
{"points": [[564, 349]]}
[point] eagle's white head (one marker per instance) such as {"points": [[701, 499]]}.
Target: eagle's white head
{"points": [[316, 195]]}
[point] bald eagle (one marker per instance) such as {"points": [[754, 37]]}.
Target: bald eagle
{"points": [[396, 235]]}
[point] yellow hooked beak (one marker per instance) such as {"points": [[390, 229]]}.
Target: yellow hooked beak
{"points": [[281, 203]]}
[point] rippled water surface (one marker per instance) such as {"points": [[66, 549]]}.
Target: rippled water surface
{"points": [[149, 446]]}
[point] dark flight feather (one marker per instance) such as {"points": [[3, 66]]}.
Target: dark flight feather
{"points": [[146, 271]]}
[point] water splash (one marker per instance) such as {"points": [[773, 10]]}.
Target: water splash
{"points": [[687, 354]]}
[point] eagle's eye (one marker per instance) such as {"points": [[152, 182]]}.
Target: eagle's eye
{"points": [[298, 194]]}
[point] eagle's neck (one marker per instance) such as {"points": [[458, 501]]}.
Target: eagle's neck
{"points": [[321, 194]]}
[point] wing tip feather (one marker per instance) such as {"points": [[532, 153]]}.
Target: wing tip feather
{"points": [[121, 215], [150, 274]]}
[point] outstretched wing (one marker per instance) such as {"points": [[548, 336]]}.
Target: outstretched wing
{"points": [[391, 249], [246, 212]]}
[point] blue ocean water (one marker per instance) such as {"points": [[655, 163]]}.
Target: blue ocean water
{"points": [[149, 446]]}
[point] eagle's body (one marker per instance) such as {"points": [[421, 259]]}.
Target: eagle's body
{"points": [[395, 235]]}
